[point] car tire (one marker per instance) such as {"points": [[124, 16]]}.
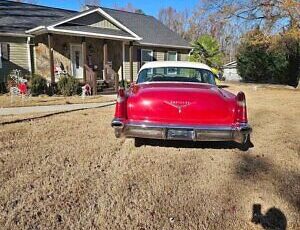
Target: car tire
{"points": [[138, 142], [246, 145]]}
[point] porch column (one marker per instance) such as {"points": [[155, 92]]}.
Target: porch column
{"points": [[51, 60], [123, 63], [83, 47], [131, 61], [105, 60]]}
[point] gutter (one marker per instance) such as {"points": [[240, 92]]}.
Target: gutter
{"points": [[15, 35], [162, 45], [35, 29]]}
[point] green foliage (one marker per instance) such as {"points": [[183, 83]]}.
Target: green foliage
{"points": [[68, 86], [206, 49], [38, 85], [266, 59]]}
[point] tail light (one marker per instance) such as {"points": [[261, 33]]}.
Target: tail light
{"points": [[121, 105], [241, 108]]}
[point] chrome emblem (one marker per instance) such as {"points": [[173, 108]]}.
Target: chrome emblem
{"points": [[178, 104]]}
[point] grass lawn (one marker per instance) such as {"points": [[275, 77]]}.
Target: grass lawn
{"points": [[6, 101], [69, 172]]}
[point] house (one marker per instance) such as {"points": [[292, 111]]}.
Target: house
{"points": [[230, 72], [110, 43]]}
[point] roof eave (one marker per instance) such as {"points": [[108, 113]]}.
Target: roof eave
{"points": [[15, 34], [35, 29], [103, 13], [90, 34], [163, 45]]}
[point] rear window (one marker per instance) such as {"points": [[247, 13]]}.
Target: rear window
{"points": [[176, 74]]}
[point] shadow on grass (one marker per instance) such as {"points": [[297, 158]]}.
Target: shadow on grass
{"points": [[273, 219], [49, 115], [286, 183], [189, 144]]}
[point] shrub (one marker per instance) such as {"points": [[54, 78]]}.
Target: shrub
{"points": [[267, 59], [38, 85], [68, 86]]}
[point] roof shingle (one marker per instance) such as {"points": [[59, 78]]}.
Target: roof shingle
{"points": [[16, 17]]}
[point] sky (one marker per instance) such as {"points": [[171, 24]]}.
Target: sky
{"points": [[150, 7]]}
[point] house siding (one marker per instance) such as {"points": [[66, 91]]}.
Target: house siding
{"points": [[18, 57], [95, 20], [159, 54]]}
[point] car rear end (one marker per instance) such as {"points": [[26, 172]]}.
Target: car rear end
{"points": [[181, 111]]}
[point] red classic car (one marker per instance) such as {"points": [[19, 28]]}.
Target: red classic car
{"points": [[180, 101]]}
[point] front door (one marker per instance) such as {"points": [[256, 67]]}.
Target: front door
{"points": [[77, 61]]}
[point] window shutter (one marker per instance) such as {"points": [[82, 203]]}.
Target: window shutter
{"points": [[154, 58], [178, 56], [5, 51], [139, 58], [166, 56]]}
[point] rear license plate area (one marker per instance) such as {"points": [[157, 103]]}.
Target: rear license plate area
{"points": [[180, 134]]}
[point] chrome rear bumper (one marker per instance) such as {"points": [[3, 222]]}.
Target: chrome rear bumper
{"points": [[238, 133]]}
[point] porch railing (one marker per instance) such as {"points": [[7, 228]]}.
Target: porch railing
{"points": [[112, 77]]}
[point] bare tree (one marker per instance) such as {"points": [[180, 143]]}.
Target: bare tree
{"points": [[268, 14], [92, 2], [178, 21], [129, 8], [84, 3]]}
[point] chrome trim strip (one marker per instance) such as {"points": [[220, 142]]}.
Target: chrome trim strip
{"points": [[176, 126]]}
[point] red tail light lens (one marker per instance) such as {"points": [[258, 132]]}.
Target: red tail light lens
{"points": [[241, 110], [121, 105]]}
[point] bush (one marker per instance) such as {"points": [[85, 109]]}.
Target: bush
{"points": [[266, 59], [38, 85], [68, 86]]}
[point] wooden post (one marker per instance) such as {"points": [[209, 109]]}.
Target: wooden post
{"points": [[94, 80], [83, 46], [51, 58], [131, 61], [105, 60], [116, 82], [123, 64]]}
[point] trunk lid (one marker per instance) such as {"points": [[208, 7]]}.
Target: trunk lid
{"points": [[180, 103]]}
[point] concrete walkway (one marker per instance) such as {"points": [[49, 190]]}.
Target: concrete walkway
{"points": [[51, 108]]}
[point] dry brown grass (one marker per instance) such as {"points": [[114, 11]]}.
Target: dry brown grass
{"points": [[6, 101], [69, 172]]}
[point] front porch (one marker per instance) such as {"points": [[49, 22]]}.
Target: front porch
{"points": [[91, 60]]}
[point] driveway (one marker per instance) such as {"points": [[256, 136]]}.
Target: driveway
{"points": [[51, 108]]}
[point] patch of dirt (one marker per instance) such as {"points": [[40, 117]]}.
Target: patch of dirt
{"points": [[69, 172]]}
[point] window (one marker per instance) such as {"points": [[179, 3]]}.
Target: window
{"points": [[172, 56], [146, 56], [178, 74]]}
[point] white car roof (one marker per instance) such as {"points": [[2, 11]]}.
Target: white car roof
{"points": [[160, 64]]}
